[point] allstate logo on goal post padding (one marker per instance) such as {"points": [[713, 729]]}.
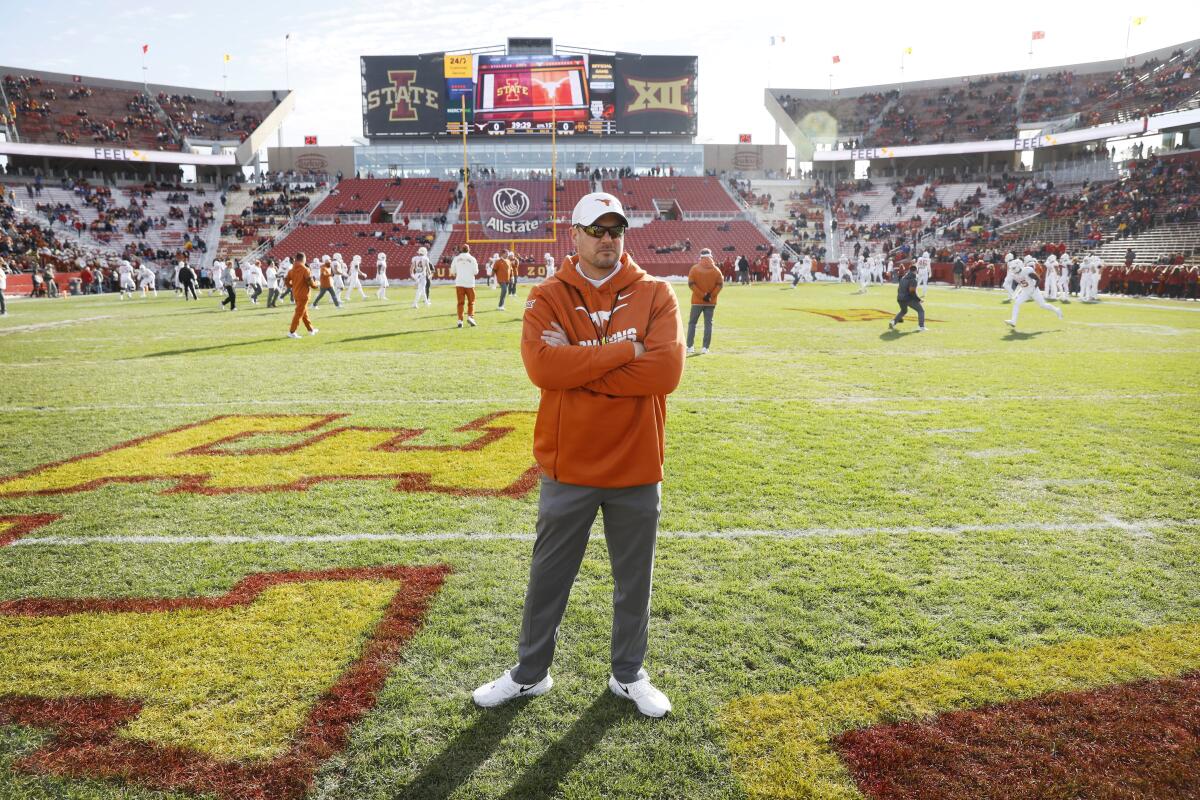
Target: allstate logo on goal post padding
{"points": [[512, 209], [511, 203]]}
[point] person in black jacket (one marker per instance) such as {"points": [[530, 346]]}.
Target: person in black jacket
{"points": [[906, 296], [187, 279]]}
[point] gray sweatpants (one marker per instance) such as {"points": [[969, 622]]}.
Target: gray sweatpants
{"points": [[693, 316], [565, 517]]}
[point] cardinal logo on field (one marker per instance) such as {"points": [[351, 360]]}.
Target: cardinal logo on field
{"points": [[511, 203]]}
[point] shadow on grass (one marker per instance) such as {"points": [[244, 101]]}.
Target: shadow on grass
{"points": [[541, 779], [896, 333], [1016, 335], [390, 335], [458, 762], [211, 348]]}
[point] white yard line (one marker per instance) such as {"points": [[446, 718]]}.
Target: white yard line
{"points": [[1137, 529], [342, 402], [41, 326]]}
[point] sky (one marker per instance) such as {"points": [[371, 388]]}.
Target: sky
{"points": [[732, 40]]}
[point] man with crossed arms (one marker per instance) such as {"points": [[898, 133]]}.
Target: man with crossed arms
{"points": [[604, 342]]}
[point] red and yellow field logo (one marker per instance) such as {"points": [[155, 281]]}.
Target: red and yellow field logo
{"points": [[242, 695], [218, 456], [850, 314], [1088, 718], [14, 526]]}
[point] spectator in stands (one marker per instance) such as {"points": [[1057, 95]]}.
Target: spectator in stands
{"points": [[705, 281]]}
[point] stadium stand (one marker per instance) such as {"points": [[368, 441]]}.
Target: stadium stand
{"points": [[366, 240], [652, 196], [255, 214], [151, 223], [50, 108], [984, 107], [377, 198], [81, 113]]}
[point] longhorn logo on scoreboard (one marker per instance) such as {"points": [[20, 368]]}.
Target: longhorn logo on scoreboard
{"points": [[667, 96]]}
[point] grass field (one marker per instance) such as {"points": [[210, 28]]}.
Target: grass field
{"points": [[859, 527]]}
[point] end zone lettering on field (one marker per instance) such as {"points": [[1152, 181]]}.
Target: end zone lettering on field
{"points": [[208, 709], [202, 458]]}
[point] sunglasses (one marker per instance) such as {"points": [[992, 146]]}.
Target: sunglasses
{"points": [[598, 231]]}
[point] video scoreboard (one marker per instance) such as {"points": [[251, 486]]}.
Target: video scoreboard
{"points": [[438, 94]]}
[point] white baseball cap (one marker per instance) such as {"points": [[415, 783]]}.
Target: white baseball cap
{"points": [[422, 251], [592, 207]]}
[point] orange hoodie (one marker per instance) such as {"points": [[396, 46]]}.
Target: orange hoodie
{"points": [[602, 414], [705, 278], [500, 270]]}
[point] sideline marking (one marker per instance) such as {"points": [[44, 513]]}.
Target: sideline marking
{"points": [[492, 401]]}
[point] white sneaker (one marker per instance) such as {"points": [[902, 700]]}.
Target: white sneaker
{"points": [[1010, 323], [650, 701], [293, 335], [922, 330], [703, 351], [313, 332], [504, 688], [691, 351], [471, 321], [460, 323]]}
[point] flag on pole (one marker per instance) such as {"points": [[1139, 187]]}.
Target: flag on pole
{"points": [[145, 49], [908, 51], [228, 58], [1039, 35], [1139, 20], [837, 59]]}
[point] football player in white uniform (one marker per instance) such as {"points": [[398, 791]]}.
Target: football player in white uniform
{"points": [[1027, 289], [381, 276], [775, 267], [356, 273], [1064, 276], [337, 277], [1051, 279], [924, 270], [865, 266], [549, 260], [844, 269], [420, 271], [1010, 284]]}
